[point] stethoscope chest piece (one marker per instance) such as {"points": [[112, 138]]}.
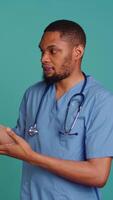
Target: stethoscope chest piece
{"points": [[33, 130], [80, 100]]}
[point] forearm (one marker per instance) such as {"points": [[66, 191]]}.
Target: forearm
{"points": [[93, 172], [83, 172]]}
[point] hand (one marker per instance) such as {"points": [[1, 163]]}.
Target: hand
{"points": [[4, 137], [19, 149]]}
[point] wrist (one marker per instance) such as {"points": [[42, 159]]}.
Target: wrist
{"points": [[33, 157]]}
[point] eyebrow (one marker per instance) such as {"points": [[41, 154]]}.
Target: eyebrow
{"points": [[49, 47]]}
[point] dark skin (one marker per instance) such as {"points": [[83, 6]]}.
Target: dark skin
{"points": [[64, 58], [60, 57]]}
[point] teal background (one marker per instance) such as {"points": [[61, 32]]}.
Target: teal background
{"points": [[21, 26]]}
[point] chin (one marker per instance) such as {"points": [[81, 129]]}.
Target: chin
{"points": [[50, 79]]}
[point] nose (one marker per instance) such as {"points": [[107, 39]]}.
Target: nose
{"points": [[45, 58]]}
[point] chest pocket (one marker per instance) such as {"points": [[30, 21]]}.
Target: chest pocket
{"points": [[72, 144]]}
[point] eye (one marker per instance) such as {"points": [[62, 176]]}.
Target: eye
{"points": [[53, 51]]}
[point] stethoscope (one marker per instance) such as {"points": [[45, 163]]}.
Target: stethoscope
{"points": [[34, 130]]}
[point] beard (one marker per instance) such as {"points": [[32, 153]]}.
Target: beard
{"points": [[65, 72], [56, 77]]}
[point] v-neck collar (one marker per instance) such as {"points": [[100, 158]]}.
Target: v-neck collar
{"points": [[69, 93]]}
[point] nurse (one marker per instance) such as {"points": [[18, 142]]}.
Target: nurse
{"points": [[64, 132]]}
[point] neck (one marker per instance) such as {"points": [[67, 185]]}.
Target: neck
{"points": [[66, 84]]}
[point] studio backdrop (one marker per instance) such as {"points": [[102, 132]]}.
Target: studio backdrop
{"points": [[21, 26]]}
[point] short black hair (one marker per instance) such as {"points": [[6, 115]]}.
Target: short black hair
{"points": [[69, 29]]}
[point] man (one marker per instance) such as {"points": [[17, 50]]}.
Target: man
{"points": [[67, 124]]}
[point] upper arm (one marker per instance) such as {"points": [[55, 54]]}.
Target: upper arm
{"points": [[99, 137], [99, 133], [20, 126]]}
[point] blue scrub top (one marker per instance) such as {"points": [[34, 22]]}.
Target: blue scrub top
{"points": [[93, 138]]}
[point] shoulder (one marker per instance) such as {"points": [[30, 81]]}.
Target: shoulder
{"points": [[36, 88], [98, 102], [34, 92], [96, 91]]}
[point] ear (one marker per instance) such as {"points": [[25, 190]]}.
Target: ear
{"points": [[78, 52]]}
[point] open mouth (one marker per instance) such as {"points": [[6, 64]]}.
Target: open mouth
{"points": [[48, 69]]}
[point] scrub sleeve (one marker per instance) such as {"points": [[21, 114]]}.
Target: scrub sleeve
{"points": [[99, 133]]}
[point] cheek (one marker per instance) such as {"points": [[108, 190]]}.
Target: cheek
{"points": [[57, 62], [67, 61], [61, 62]]}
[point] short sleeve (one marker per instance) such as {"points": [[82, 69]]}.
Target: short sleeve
{"points": [[99, 132], [19, 129]]}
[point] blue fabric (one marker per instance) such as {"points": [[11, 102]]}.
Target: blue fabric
{"points": [[94, 137]]}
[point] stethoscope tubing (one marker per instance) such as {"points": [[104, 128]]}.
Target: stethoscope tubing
{"points": [[33, 129]]}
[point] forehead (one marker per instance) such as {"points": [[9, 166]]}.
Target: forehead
{"points": [[51, 38]]}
